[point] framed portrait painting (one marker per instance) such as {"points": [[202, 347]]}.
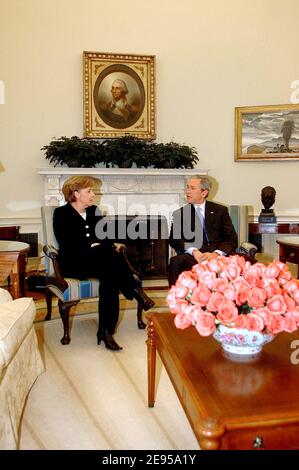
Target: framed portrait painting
{"points": [[265, 133], [119, 95]]}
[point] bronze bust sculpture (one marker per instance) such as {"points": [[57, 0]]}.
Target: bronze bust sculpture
{"points": [[267, 215], [268, 196]]}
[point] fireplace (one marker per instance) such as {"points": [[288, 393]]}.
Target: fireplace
{"points": [[144, 195], [146, 239]]}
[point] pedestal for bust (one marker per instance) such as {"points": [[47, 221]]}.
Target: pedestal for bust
{"points": [[267, 216]]}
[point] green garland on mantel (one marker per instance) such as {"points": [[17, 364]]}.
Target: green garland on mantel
{"points": [[122, 152]]}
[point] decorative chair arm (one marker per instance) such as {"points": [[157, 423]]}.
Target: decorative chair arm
{"points": [[247, 248], [51, 252]]}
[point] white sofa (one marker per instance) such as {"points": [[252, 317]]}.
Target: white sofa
{"points": [[20, 363]]}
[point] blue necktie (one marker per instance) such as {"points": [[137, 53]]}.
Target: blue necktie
{"points": [[202, 220]]}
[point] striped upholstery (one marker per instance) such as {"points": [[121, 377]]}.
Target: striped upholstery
{"points": [[239, 216], [76, 289]]}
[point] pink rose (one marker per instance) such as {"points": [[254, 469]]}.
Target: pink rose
{"points": [[187, 278], [290, 303], [230, 293], [247, 266], [260, 268], [256, 297], [284, 277], [295, 314], [271, 286], [240, 282], [205, 324], [291, 286], [252, 276], [214, 265], [214, 301], [182, 321], [282, 266], [272, 271], [290, 324], [242, 295], [232, 271], [264, 313], [208, 278], [241, 321], [222, 262], [181, 291], [201, 295], [194, 311], [227, 312], [198, 269], [238, 260], [220, 284], [181, 306], [276, 305], [276, 324], [255, 322], [171, 300], [296, 296]]}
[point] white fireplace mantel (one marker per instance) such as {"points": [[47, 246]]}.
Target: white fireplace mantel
{"points": [[98, 172], [147, 191]]}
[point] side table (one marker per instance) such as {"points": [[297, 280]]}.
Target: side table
{"points": [[13, 258], [289, 250]]}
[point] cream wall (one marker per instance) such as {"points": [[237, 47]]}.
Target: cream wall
{"points": [[211, 57]]}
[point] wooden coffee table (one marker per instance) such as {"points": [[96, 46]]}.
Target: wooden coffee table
{"points": [[229, 404]]}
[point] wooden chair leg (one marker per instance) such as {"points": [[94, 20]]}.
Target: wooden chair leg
{"points": [[141, 325], [49, 304], [64, 310], [137, 275]]}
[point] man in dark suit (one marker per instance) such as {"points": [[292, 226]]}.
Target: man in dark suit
{"points": [[201, 230]]}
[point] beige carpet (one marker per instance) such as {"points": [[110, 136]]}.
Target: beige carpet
{"points": [[92, 398]]}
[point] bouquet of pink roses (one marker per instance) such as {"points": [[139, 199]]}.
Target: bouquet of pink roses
{"points": [[235, 293]]}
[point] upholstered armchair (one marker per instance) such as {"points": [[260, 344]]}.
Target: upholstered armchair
{"points": [[68, 290], [20, 363], [239, 216]]}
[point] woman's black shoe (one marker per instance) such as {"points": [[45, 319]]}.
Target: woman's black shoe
{"points": [[144, 300], [109, 341]]}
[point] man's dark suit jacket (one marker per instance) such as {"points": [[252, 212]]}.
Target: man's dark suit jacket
{"points": [[220, 230], [75, 237]]}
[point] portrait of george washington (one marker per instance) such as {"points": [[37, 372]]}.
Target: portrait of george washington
{"points": [[119, 96]]}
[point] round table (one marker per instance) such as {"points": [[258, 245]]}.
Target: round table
{"points": [[289, 250], [13, 259]]}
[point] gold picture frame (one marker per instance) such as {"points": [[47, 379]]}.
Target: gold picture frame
{"points": [[264, 133], [119, 95]]}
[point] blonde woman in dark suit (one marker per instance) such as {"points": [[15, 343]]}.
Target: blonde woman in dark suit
{"points": [[82, 255]]}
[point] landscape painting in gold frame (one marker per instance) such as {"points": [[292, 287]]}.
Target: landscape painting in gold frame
{"points": [[119, 95], [264, 133]]}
